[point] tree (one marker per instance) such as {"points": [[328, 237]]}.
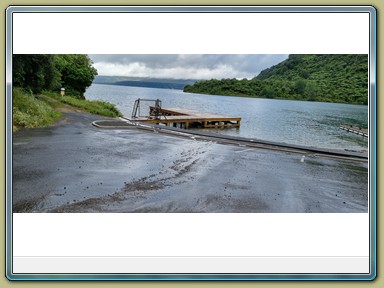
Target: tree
{"points": [[38, 72], [77, 73], [35, 72], [300, 86], [311, 91]]}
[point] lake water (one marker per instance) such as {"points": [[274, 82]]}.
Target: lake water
{"points": [[312, 124]]}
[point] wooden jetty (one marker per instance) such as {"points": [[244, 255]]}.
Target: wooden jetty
{"points": [[356, 130], [186, 118]]}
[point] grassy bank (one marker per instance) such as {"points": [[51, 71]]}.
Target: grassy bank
{"points": [[28, 111], [31, 111], [94, 107]]}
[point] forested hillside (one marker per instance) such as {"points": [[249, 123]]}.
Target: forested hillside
{"points": [[327, 78]]}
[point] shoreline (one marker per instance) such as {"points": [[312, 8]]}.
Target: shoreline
{"points": [[285, 99]]}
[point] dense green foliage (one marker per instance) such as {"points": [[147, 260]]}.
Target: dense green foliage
{"points": [[327, 78], [77, 73], [38, 72], [29, 111], [35, 72]]}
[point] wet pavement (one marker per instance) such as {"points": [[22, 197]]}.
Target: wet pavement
{"points": [[76, 167]]}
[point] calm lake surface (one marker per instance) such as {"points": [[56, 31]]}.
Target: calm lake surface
{"points": [[313, 124]]}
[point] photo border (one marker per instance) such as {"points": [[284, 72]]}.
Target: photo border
{"points": [[194, 9]]}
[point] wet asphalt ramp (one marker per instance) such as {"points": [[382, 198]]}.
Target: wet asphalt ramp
{"points": [[76, 167], [227, 139]]}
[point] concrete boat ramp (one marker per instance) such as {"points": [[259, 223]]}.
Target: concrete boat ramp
{"points": [[124, 123], [357, 130]]}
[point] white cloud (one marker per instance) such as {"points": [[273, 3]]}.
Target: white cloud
{"points": [[185, 66]]}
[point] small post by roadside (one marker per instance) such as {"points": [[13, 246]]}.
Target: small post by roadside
{"points": [[62, 91]]}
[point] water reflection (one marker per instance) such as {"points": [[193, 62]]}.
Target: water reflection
{"points": [[312, 124]]}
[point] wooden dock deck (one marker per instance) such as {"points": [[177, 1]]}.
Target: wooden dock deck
{"points": [[356, 130], [186, 118]]}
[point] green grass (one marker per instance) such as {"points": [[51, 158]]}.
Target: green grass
{"points": [[91, 106], [30, 112]]}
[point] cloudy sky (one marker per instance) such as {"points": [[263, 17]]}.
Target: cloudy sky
{"points": [[185, 66]]}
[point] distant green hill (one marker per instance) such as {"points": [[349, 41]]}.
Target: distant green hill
{"points": [[327, 78], [143, 82]]}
